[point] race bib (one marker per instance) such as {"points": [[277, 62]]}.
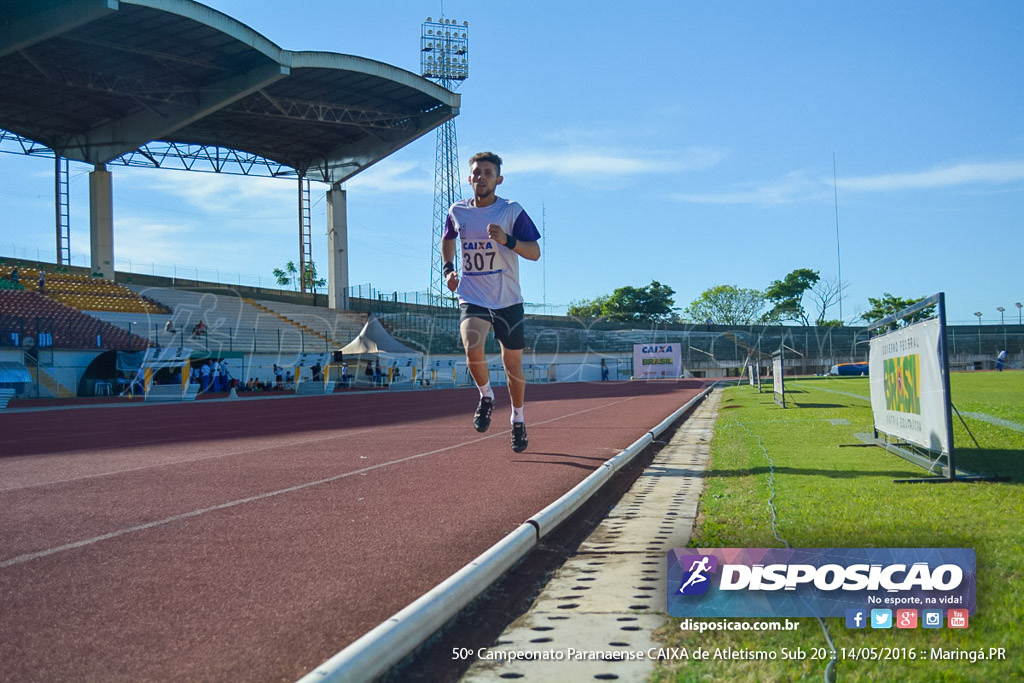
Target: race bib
{"points": [[480, 257]]}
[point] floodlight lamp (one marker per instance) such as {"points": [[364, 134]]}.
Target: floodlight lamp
{"points": [[1000, 309], [1018, 304], [977, 313]]}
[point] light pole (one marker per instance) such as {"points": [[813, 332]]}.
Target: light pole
{"points": [[1018, 305], [444, 58], [1002, 323], [978, 313]]}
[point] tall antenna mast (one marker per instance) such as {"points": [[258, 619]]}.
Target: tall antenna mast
{"points": [[839, 260], [544, 251], [444, 58]]}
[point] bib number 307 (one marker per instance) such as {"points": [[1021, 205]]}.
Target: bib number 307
{"points": [[477, 260]]}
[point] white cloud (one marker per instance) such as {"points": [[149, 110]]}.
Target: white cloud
{"points": [[395, 176], [800, 186], [795, 186], [602, 163], [992, 173], [216, 193]]}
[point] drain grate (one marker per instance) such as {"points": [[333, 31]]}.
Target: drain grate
{"points": [[603, 605]]}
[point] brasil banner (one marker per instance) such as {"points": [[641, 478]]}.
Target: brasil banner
{"points": [[652, 361], [908, 399]]}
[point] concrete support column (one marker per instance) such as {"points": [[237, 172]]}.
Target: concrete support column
{"points": [[337, 248], [101, 222]]}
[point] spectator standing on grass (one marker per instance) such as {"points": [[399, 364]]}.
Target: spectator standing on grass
{"points": [[492, 234], [604, 371], [1001, 360], [42, 280]]}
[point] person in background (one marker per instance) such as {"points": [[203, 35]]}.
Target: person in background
{"points": [[1001, 360]]}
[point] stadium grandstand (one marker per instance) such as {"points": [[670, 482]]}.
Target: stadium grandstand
{"points": [[176, 84]]}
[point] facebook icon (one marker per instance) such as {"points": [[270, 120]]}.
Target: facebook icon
{"points": [[856, 618]]}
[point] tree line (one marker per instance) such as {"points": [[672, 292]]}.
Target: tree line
{"points": [[785, 300]]}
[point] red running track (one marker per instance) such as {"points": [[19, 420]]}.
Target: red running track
{"points": [[251, 540]]}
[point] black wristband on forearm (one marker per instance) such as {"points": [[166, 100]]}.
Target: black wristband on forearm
{"points": [[448, 267], [510, 241]]}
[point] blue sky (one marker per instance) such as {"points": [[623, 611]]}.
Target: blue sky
{"points": [[687, 142]]}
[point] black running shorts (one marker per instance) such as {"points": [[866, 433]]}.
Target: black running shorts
{"points": [[508, 323]]}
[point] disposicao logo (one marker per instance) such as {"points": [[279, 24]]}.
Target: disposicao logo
{"points": [[696, 580], [821, 582]]}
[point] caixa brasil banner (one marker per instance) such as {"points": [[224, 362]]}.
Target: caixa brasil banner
{"points": [[651, 361], [908, 398], [817, 582]]}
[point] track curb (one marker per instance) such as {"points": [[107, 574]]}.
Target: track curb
{"points": [[386, 644]]}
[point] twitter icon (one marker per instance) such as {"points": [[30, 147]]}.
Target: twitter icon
{"points": [[881, 618]]}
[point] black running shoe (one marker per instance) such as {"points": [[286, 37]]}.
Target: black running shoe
{"points": [[482, 416], [519, 440]]}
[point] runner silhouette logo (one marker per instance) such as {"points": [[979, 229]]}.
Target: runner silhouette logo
{"points": [[697, 568]]}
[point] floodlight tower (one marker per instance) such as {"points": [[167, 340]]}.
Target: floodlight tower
{"points": [[444, 57]]}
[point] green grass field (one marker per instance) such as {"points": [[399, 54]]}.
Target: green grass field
{"points": [[828, 496]]}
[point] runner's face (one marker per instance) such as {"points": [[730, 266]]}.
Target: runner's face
{"points": [[483, 176]]}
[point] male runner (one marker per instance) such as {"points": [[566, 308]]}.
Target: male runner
{"points": [[492, 233]]}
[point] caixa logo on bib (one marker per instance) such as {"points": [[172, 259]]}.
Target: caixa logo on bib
{"points": [[822, 582]]}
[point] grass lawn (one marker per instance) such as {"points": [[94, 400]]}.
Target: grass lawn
{"points": [[827, 496]]}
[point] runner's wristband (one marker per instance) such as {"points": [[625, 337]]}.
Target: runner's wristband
{"points": [[447, 268], [510, 241]]}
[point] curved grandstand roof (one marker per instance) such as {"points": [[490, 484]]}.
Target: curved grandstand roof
{"points": [[97, 79]]}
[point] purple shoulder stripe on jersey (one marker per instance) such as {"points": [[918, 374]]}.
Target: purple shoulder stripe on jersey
{"points": [[524, 229], [450, 233]]}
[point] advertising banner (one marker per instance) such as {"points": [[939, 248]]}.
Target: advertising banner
{"points": [[656, 361], [818, 582], [908, 398], [778, 383]]}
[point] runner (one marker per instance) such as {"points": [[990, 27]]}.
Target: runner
{"points": [[492, 233]]}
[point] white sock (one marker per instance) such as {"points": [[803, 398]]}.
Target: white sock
{"points": [[486, 391], [517, 414]]}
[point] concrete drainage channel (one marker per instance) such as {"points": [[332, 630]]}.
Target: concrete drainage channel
{"points": [[610, 597], [624, 557]]}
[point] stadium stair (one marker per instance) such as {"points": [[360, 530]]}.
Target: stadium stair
{"points": [[46, 381], [269, 311]]}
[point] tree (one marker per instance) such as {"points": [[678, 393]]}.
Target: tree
{"points": [[727, 305], [888, 305], [787, 295], [650, 304], [826, 294], [592, 308], [289, 276]]}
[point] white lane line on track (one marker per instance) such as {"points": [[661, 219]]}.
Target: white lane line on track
{"points": [[110, 473], [28, 557]]}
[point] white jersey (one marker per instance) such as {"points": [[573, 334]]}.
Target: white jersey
{"points": [[490, 271]]}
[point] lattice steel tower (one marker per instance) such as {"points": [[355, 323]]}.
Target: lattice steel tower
{"points": [[444, 57]]}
